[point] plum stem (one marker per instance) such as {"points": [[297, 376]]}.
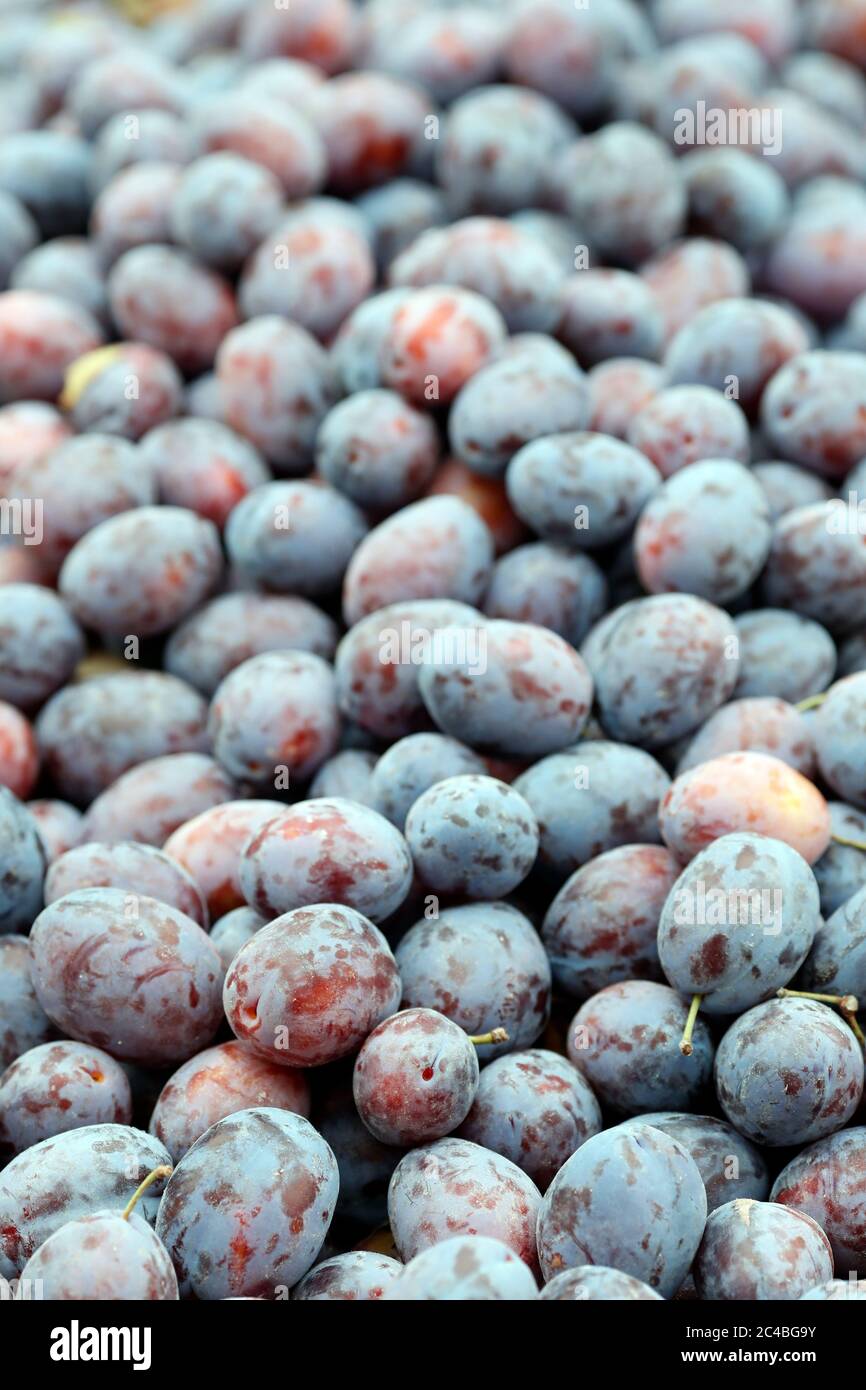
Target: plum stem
{"points": [[496, 1035], [848, 1003], [165, 1171], [811, 702], [844, 840], [686, 1047]]}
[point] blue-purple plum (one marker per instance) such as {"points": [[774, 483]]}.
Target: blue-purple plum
{"points": [[40, 644], [328, 850], [550, 586], [783, 654], [827, 1181], [482, 965], [514, 400], [230, 629], [358, 1275], [127, 973], [72, 1175], [759, 1251], [536, 1109], [631, 1199], [590, 798], [23, 1022], [661, 667], [454, 1188], [474, 836], [841, 870], [234, 930], [60, 1086], [739, 922], [837, 962], [596, 1283], [838, 726], [106, 1256], [730, 1165], [762, 724], [789, 1072], [22, 865], [132, 867], [526, 693], [91, 733], [294, 537], [413, 765], [582, 490], [625, 1040], [603, 923], [248, 1207], [464, 1269]]}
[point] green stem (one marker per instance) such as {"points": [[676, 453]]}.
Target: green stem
{"points": [[163, 1172], [686, 1047], [496, 1035]]}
